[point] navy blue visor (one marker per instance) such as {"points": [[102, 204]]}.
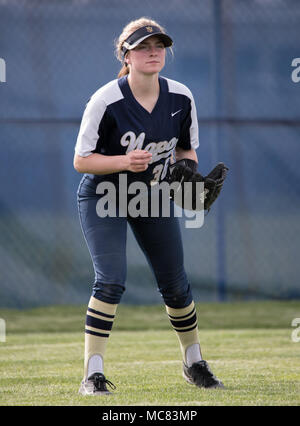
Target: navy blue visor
{"points": [[141, 34]]}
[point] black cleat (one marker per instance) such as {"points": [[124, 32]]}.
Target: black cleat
{"points": [[96, 385], [199, 374]]}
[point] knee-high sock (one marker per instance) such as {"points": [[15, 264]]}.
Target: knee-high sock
{"points": [[99, 321], [184, 322]]}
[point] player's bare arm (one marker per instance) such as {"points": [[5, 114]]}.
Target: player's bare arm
{"points": [[99, 164]]}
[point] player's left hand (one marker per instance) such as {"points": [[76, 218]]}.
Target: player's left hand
{"points": [[182, 172]]}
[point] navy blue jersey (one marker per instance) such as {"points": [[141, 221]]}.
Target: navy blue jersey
{"points": [[115, 123]]}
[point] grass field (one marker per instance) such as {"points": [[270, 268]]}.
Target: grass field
{"points": [[248, 345]]}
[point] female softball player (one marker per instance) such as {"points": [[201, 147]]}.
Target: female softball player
{"points": [[131, 127]]}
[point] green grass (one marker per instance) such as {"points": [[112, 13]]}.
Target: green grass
{"points": [[248, 346]]}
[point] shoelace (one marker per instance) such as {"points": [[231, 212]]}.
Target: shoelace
{"points": [[99, 380]]}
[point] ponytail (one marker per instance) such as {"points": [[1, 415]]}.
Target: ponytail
{"points": [[123, 71]]}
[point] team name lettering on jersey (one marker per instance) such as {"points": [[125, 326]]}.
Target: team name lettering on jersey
{"points": [[159, 150]]}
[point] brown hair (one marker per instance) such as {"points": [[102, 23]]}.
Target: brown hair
{"points": [[127, 30]]}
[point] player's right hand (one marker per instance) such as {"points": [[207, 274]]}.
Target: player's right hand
{"points": [[138, 160]]}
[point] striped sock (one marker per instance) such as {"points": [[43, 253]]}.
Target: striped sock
{"points": [[99, 321], [184, 323]]}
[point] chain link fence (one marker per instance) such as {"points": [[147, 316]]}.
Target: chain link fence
{"points": [[236, 58]]}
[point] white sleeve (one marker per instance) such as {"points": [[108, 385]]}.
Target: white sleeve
{"points": [[88, 135], [193, 125], [192, 131]]}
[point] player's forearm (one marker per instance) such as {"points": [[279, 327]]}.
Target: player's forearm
{"points": [[182, 153], [99, 164]]}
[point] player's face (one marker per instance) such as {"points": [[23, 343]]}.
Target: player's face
{"points": [[148, 57]]}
